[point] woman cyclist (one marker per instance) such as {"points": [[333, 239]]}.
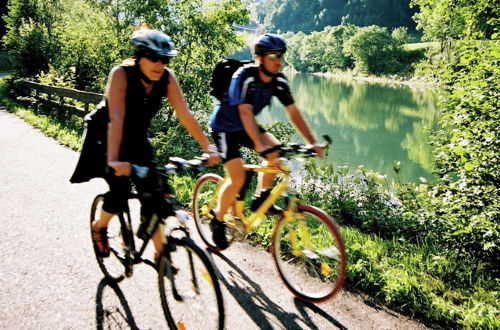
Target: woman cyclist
{"points": [[116, 132]]}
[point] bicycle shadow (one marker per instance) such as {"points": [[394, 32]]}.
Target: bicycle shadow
{"points": [[111, 317], [256, 303], [301, 307]]}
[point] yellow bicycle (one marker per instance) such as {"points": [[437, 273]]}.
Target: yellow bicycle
{"points": [[306, 245]]}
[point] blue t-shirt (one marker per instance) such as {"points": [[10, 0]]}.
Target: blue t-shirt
{"points": [[247, 88]]}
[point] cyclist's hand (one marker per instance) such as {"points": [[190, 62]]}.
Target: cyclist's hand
{"points": [[212, 155], [318, 149], [213, 158], [121, 168]]}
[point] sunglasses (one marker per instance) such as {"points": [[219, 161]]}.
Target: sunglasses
{"points": [[273, 56], [155, 58]]}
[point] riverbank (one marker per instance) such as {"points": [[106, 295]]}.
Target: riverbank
{"points": [[417, 82], [390, 80]]}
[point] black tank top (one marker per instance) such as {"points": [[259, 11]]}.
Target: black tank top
{"points": [[135, 147], [139, 111]]}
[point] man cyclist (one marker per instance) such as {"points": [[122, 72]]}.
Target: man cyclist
{"points": [[233, 125]]}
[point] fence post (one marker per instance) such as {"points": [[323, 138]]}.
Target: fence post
{"points": [[86, 107]]}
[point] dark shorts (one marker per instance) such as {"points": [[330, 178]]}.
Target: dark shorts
{"points": [[229, 143]]}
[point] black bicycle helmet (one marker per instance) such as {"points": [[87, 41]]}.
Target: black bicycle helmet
{"points": [[153, 40], [269, 43]]}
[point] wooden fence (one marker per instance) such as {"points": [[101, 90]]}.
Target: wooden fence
{"points": [[69, 101]]}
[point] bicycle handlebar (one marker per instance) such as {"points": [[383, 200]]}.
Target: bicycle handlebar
{"points": [[175, 164], [296, 148]]}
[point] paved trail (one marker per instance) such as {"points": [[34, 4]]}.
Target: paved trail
{"points": [[49, 278]]}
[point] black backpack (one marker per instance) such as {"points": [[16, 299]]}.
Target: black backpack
{"points": [[222, 74]]}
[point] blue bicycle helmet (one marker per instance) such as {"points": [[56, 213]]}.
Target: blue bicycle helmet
{"points": [[269, 43], [153, 40]]}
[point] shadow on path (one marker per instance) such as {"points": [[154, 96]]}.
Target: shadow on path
{"points": [[256, 304], [113, 316], [302, 306]]}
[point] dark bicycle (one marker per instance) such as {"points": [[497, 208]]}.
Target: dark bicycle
{"points": [[189, 290]]}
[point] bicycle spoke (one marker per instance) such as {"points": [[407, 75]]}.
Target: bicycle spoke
{"points": [[309, 254], [192, 296]]}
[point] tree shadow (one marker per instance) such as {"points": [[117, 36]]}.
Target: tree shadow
{"points": [[113, 316], [256, 304]]}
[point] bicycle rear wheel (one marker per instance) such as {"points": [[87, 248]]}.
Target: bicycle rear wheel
{"points": [[309, 254], [204, 200], [118, 264], [189, 289]]}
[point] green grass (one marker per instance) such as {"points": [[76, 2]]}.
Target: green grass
{"points": [[422, 45], [67, 131]]}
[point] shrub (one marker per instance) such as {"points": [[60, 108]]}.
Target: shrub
{"points": [[374, 50]]}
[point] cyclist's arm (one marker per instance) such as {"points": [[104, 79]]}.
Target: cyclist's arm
{"points": [[115, 91], [185, 116], [248, 119], [301, 125]]}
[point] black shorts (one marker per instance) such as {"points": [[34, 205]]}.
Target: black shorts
{"points": [[229, 143]]}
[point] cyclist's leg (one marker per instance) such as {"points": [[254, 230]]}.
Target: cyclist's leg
{"points": [[229, 144], [229, 191], [152, 192], [265, 180], [115, 201]]}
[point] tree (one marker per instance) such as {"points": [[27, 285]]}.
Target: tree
{"points": [[386, 13], [31, 37], [315, 15], [442, 20], [374, 50]]}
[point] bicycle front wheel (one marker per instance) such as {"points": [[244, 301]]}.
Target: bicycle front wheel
{"points": [[189, 290], [309, 254], [118, 264], [204, 200]]}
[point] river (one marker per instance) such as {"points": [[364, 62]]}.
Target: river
{"points": [[371, 124]]}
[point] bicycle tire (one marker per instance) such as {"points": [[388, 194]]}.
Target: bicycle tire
{"points": [[195, 280], [118, 265], [314, 271], [203, 197]]}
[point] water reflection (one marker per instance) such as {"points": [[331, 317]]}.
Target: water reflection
{"points": [[371, 124]]}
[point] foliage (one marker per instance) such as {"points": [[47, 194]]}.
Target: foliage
{"points": [[315, 15], [369, 50], [83, 40], [30, 36], [89, 47], [442, 20], [466, 154], [374, 50]]}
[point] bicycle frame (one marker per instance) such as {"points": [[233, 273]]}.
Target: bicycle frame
{"points": [[256, 216]]}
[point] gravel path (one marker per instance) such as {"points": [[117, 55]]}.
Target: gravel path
{"points": [[49, 278]]}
